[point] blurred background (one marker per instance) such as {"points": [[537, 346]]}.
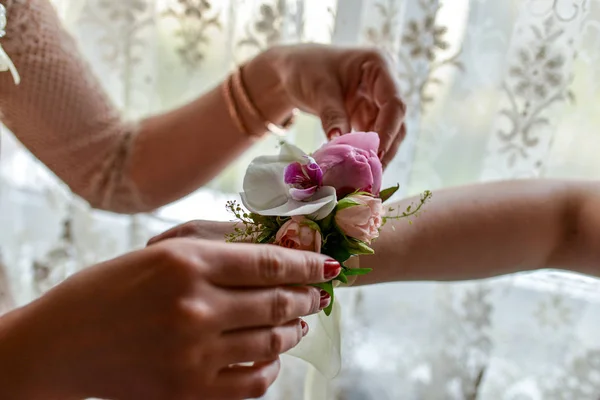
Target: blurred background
{"points": [[495, 90]]}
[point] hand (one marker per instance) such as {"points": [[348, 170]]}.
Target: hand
{"points": [[165, 322], [216, 230], [347, 88], [197, 229]]}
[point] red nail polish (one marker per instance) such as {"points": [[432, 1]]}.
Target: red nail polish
{"points": [[332, 269], [335, 132], [304, 326], [325, 299]]}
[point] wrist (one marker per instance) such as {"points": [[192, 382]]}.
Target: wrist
{"points": [[17, 378], [265, 86], [24, 370]]}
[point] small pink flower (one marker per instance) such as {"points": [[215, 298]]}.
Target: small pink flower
{"points": [[298, 234], [361, 221]]}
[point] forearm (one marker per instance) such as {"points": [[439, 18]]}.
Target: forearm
{"points": [[12, 373], [492, 229], [61, 114], [177, 152], [24, 374]]}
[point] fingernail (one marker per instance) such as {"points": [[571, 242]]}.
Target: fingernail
{"points": [[335, 132], [325, 300], [380, 154], [332, 269], [304, 326]]}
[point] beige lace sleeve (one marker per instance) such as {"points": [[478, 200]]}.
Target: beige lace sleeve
{"points": [[60, 112]]}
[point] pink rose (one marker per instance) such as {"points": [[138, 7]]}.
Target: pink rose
{"points": [[298, 234], [359, 217], [350, 163]]}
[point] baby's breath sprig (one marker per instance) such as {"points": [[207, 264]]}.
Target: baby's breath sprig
{"points": [[411, 210], [249, 229]]}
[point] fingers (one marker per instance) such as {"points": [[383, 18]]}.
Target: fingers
{"points": [[185, 230], [246, 382], [210, 230], [244, 265], [363, 114], [391, 153], [268, 307], [332, 111], [388, 124], [262, 344], [378, 78]]}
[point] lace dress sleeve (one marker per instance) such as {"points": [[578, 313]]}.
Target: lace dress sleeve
{"points": [[60, 112]]}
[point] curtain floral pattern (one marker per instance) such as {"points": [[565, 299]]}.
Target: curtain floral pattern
{"points": [[495, 90]]}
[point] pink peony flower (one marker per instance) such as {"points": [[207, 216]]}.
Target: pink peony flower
{"points": [[362, 220], [350, 163], [298, 234]]}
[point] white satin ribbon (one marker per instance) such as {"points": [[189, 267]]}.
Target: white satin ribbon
{"points": [[321, 348], [6, 63]]}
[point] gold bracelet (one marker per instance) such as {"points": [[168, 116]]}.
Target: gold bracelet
{"points": [[240, 88], [232, 107]]}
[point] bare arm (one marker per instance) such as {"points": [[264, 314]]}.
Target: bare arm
{"points": [[201, 138], [62, 115], [492, 229], [476, 232]]}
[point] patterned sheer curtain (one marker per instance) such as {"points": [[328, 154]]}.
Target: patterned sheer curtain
{"points": [[495, 90]]}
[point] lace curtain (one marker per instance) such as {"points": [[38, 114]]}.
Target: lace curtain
{"points": [[495, 89]]}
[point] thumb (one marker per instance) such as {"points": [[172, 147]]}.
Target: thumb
{"points": [[333, 112]]}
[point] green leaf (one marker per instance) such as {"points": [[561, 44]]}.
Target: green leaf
{"points": [[357, 247], [269, 222], [326, 222], [259, 219], [342, 277], [327, 310], [328, 287], [265, 237], [357, 271], [327, 237], [385, 194], [337, 251], [280, 220], [345, 203]]}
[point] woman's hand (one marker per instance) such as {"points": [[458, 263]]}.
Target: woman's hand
{"points": [[216, 230], [166, 322], [197, 229], [348, 88]]}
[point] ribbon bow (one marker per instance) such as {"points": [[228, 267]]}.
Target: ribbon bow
{"points": [[6, 63]]}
